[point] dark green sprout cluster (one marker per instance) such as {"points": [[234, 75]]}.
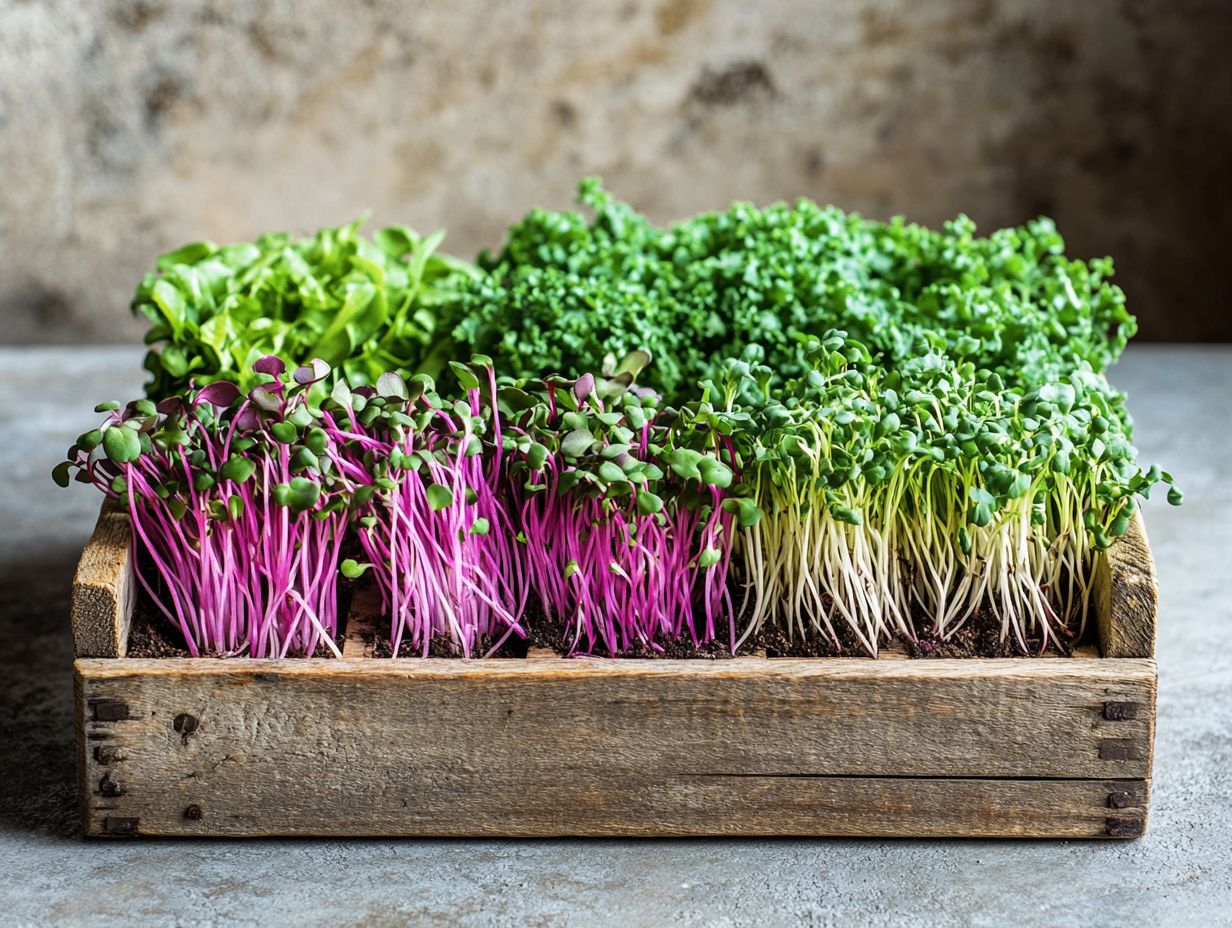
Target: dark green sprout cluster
{"points": [[756, 284], [931, 489]]}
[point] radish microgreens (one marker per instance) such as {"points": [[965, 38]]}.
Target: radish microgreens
{"points": [[237, 509], [623, 508]]}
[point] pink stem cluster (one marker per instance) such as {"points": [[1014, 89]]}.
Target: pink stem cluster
{"points": [[240, 519], [262, 582], [618, 579], [451, 571]]}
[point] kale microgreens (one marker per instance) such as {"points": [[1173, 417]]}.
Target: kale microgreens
{"points": [[755, 284], [868, 431]]}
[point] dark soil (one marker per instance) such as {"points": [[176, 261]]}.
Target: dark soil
{"points": [[552, 635], [980, 636], [440, 646], [681, 649], [774, 641], [152, 635]]}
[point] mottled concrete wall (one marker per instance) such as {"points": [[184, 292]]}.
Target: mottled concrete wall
{"points": [[127, 127]]}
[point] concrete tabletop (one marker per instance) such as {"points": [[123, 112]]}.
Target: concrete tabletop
{"points": [[1179, 874]]}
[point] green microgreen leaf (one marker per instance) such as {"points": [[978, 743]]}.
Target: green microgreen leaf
{"points": [[439, 497], [121, 445], [237, 470], [352, 569]]}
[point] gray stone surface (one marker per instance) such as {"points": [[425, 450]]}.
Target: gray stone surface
{"points": [[130, 126], [1177, 875]]}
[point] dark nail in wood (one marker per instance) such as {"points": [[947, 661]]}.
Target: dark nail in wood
{"points": [[107, 754], [109, 787], [1120, 711], [185, 725], [1120, 799], [1124, 827], [109, 710], [193, 813], [1119, 749], [120, 826]]}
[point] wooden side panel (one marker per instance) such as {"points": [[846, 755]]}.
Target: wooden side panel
{"points": [[751, 746], [365, 615], [544, 746], [1127, 596], [102, 603]]}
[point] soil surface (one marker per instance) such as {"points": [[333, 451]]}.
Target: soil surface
{"points": [[775, 642], [152, 635], [979, 636], [440, 646], [553, 635]]}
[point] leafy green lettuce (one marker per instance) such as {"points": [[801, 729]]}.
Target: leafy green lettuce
{"points": [[365, 306]]}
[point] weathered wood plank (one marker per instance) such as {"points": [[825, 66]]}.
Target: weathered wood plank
{"points": [[102, 604], [697, 806], [1127, 596], [359, 641], [546, 746], [603, 747]]}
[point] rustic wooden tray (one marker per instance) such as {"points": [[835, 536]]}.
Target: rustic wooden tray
{"points": [[1049, 747]]}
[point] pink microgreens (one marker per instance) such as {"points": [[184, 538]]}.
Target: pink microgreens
{"points": [[608, 514]]}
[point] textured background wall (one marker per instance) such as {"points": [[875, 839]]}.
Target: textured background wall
{"points": [[127, 127]]}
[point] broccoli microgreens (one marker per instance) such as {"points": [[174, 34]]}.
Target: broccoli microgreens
{"points": [[364, 306], [931, 490]]}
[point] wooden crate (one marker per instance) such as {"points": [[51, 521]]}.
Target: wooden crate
{"points": [[1049, 747]]}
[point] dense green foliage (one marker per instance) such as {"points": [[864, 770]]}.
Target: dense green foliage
{"points": [[364, 306], [566, 292], [754, 283]]}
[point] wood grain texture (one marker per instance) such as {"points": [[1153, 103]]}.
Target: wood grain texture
{"points": [[102, 602], [1127, 596], [359, 639], [590, 747]]}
